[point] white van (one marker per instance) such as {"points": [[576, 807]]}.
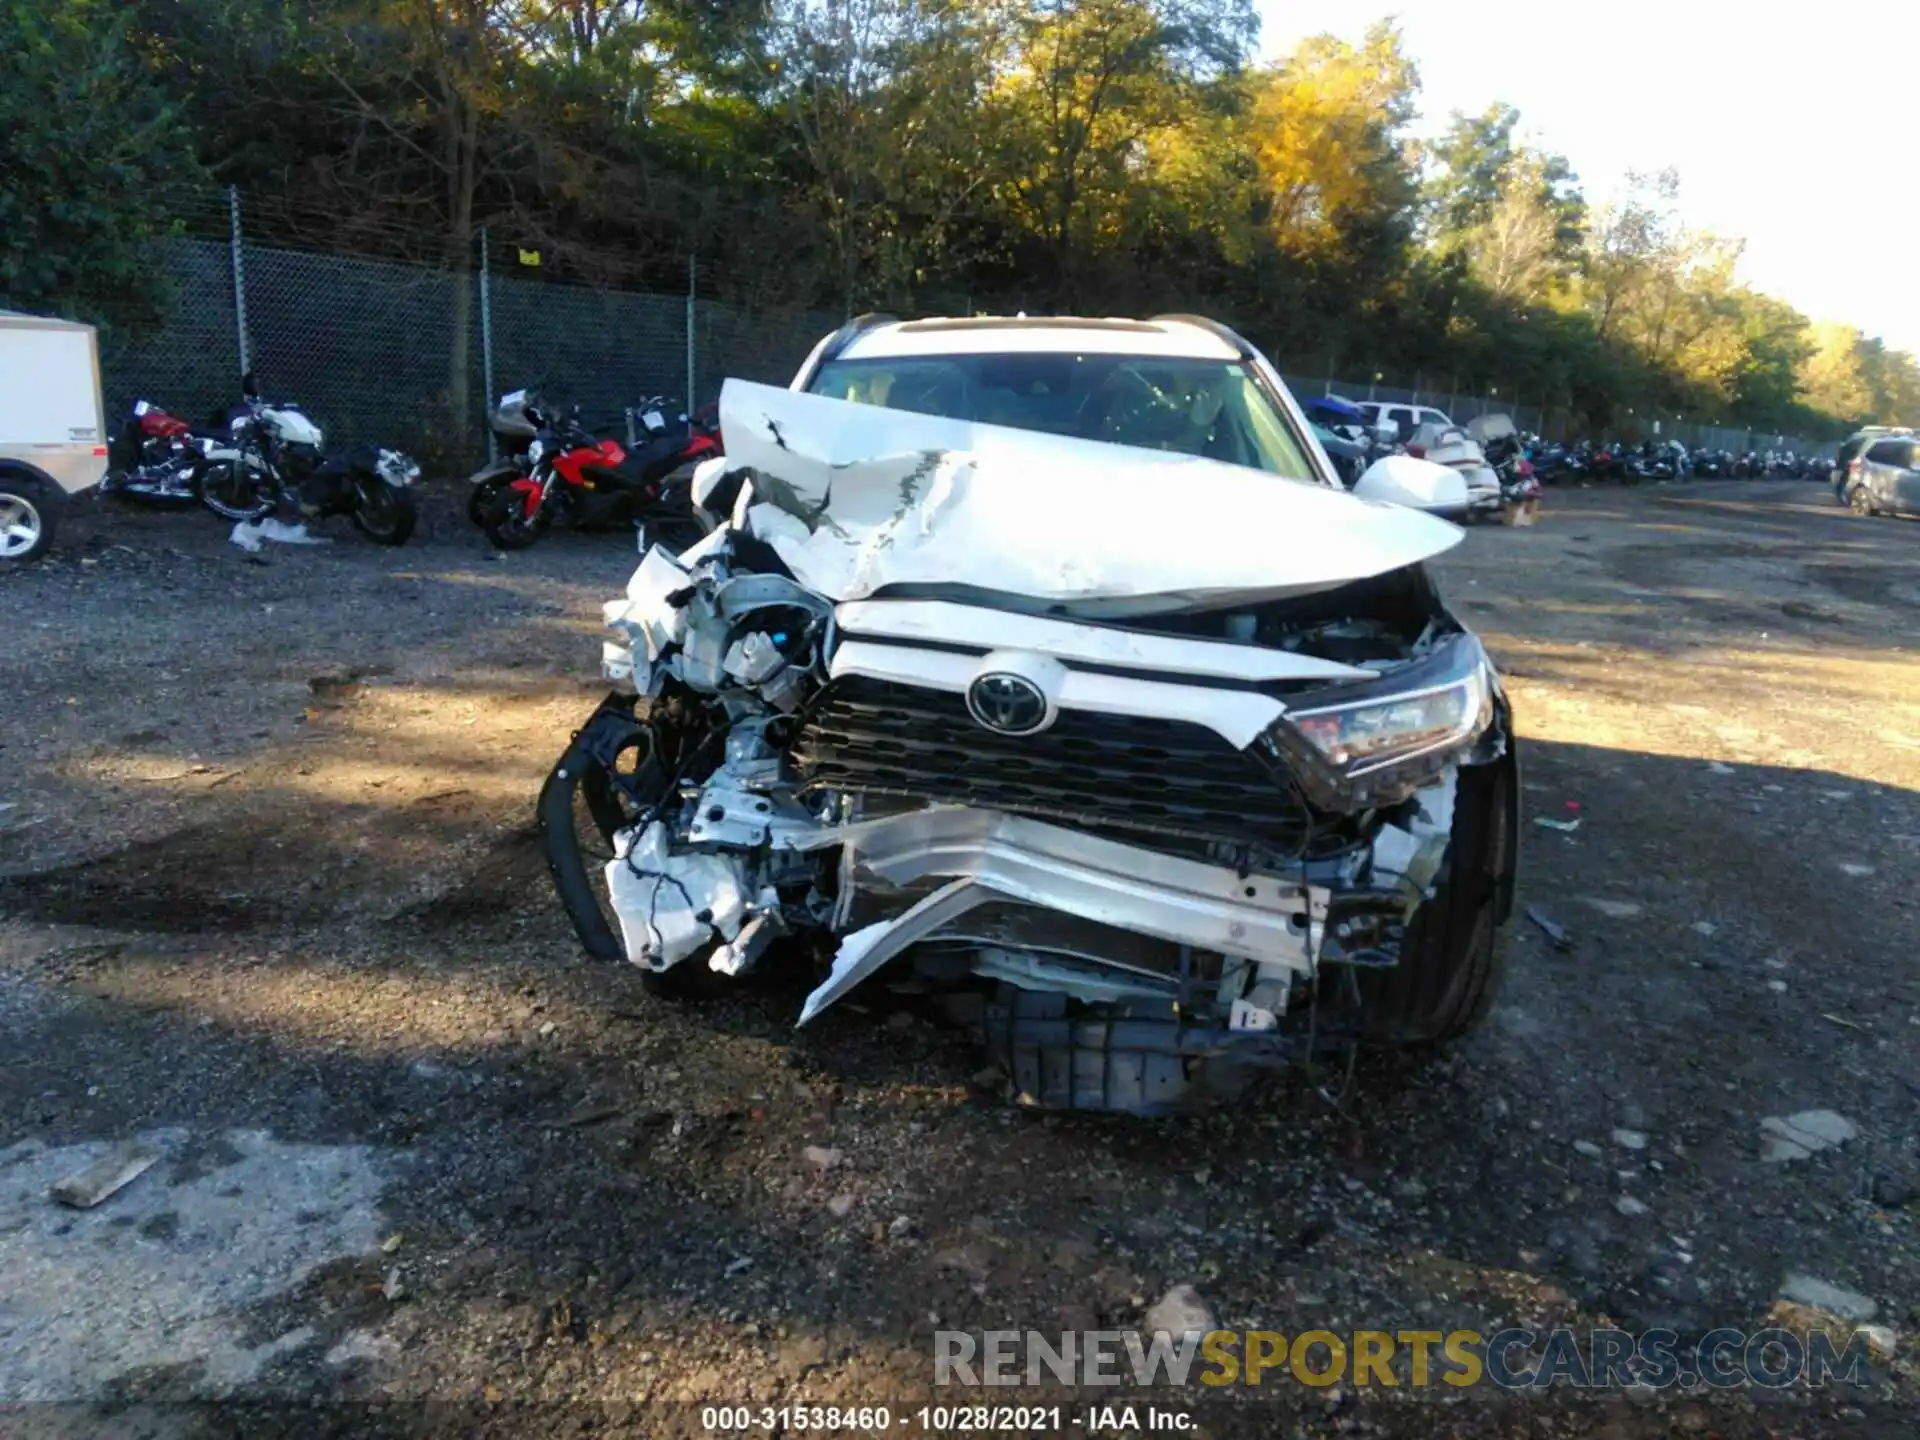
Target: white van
{"points": [[53, 429]]}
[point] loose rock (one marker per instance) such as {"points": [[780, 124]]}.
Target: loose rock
{"points": [[1824, 1295], [1804, 1133], [1178, 1313]]}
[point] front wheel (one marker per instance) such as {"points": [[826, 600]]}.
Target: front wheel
{"points": [[1454, 955], [235, 489], [384, 513], [26, 517], [501, 513], [1859, 501]]}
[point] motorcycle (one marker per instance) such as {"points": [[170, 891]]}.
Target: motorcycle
{"points": [[556, 470], [153, 457], [1505, 452], [271, 457], [1459, 448]]}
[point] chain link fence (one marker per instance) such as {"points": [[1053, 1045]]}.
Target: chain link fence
{"points": [[412, 355]]}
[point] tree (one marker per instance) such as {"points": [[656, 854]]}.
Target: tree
{"points": [[1514, 249], [1328, 142], [1087, 87], [92, 158], [885, 99], [1477, 164]]}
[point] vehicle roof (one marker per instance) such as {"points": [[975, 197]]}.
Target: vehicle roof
{"points": [[1039, 335]]}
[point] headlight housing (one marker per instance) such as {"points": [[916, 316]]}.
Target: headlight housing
{"points": [[1379, 742], [397, 468]]}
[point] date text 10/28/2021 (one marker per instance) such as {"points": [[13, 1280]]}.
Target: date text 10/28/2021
{"points": [[948, 1419]]}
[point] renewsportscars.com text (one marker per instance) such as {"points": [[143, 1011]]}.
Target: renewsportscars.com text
{"points": [[1598, 1358]]}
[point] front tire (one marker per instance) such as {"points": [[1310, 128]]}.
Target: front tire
{"points": [[384, 513], [1860, 502], [234, 490], [28, 506], [497, 509], [1454, 957]]}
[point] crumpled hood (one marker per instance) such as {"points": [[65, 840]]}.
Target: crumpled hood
{"points": [[856, 499]]}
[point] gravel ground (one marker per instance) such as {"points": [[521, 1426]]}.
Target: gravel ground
{"points": [[271, 906]]}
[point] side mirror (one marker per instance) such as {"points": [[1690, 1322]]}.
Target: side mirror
{"points": [[1414, 483]]}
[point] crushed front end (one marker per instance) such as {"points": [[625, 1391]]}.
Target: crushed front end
{"points": [[1144, 847]]}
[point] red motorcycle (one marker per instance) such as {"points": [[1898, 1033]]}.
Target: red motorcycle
{"points": [[553, 470], [153, 458]]}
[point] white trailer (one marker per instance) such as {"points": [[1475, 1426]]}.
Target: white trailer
{"points": [[53, 427]]}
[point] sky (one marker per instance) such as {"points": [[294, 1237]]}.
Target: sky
{"points": [[1795, 128]]}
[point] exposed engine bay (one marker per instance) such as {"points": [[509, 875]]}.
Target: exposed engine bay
{"points": [[1147, 821]]}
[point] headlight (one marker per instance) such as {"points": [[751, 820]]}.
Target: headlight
{"points": [[1363, 737], [1393, 733], [396, 468]]}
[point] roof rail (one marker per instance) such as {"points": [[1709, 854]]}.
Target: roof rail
{"points": [[1213, 327], [852, 331]]}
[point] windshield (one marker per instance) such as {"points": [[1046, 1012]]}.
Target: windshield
{"points": [[1211, 408]]}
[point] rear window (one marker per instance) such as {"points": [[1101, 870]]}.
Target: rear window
{"points": [[1212, 408]]}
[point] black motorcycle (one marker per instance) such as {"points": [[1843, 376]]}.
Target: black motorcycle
{"points": [[271, 458]]}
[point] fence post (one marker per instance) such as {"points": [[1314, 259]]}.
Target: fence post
{"points": [[693, 275], [486, 342], [239, 277]]}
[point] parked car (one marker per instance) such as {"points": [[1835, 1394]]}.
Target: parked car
{"points": [[1885, 480], [1403, 420], [53, 427], [1045, 671], [1846, 462]]}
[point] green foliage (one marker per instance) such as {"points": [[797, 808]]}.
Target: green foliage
{"points": [[1117, 156], [91, 158]]}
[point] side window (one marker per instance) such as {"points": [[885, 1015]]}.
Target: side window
{"points": [[1433, 417], [1404, 421], [1889, 452]]}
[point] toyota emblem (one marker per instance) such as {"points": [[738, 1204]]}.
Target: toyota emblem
{"points": [[1008, 703]]}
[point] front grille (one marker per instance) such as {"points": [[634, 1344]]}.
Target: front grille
{"points": [[1108, 772]]}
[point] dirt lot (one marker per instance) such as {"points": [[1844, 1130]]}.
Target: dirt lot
{"points": [[270, 901]]}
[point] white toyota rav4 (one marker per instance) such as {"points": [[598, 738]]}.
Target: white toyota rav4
{"points": [[1042, 671]]}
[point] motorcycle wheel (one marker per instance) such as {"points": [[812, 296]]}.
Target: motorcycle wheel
{"points": [[233, 491], [497, 510], [384, 513]]}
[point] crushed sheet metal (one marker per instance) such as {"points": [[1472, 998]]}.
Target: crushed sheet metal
{"points": [[1411, 854], [857, 498], [660, 897], [993, 856]]}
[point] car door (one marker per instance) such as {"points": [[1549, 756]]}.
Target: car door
{"points": [[1879, 475], [1903, 478]]}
